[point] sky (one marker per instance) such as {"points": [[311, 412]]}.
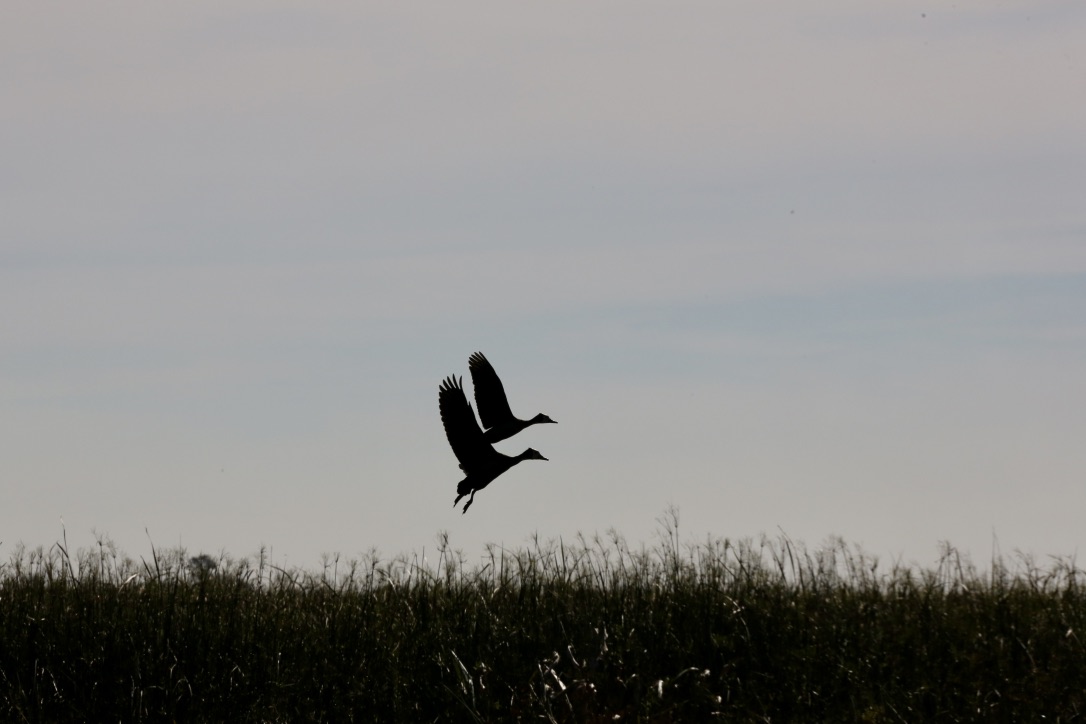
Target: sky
{"points": [[813, 269]]}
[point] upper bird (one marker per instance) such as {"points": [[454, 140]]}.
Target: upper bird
{"points": [[498, 419], [479, 460]]}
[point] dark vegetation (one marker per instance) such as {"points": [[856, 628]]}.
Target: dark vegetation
{"points": [[758, 631]]}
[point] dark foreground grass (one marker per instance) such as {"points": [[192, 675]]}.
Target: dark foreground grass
{"points": [[764, 630]]}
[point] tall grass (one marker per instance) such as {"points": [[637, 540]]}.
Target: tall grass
{"points": [[589, 630]]}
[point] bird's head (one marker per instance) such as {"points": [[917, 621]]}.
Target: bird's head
{"points": [[541, 418], [531, 454]]}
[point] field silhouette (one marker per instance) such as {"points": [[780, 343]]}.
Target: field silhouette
{"points": [[589, 630]]}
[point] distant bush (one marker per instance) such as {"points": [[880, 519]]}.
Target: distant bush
{"points": [[593, 630]]}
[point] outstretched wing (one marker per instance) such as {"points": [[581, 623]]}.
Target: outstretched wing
{"points": [[463, 431], [489, 393]]}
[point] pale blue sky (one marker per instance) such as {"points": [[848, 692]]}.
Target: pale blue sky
{"points": [[811, 268]]}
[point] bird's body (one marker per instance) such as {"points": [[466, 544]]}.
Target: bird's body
{"points": [[494, 411], [479, 460]]}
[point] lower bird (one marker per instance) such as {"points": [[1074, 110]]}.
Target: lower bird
{"points": [[479, 461]]}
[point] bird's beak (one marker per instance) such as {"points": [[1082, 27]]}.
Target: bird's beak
{"points": [[543, 458]]}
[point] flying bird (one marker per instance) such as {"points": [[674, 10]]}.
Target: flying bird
{"points": [[498, 419], [479, 461]]}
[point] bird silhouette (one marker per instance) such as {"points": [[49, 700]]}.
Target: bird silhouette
{"points": [[497, 418], [479, 460]]}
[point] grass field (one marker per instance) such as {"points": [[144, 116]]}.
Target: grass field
{"points": [[585, 631]]}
